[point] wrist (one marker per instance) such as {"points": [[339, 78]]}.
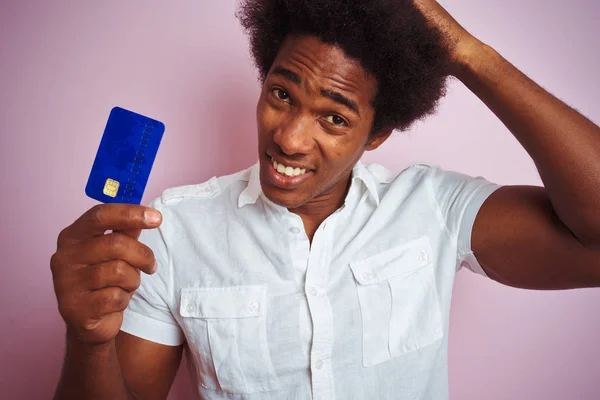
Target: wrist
{"points": [[74, 344]]}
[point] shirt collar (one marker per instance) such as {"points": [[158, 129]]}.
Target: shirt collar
{"points": [[252, 192], [361, 173]]}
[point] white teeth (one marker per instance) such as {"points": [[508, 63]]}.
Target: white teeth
{"points": [[289, 171]]}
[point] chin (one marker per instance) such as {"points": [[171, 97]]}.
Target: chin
{"points": [[287, 200]]}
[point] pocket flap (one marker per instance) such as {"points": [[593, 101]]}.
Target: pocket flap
{"points": [[223, 302], [397, 261]]}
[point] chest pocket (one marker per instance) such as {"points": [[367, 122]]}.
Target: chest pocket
{"points": [[398, 301], [226, 329]]}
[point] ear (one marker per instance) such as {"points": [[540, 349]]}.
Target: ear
{"points": [[378, 139]]}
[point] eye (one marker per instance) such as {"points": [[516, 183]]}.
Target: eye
{"points": [[281, 94], [336, 120]]}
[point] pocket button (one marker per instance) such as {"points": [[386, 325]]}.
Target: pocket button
{"points": [[254, 306], [368, 275], [190, 308], [423, 256]]}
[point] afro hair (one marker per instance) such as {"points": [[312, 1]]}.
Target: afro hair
{"points": [[389, 38]]}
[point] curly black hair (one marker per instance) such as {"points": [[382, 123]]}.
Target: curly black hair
{"points": [[390, 39]]}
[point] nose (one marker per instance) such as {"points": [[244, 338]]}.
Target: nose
{"points": [[294, 136]]}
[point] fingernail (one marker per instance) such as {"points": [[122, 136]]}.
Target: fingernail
{"points": [[152, 216], [155, 267]]}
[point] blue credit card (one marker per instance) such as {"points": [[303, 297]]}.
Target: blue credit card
{"points": [[125, 157]]}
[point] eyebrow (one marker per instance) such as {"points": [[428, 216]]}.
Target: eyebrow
{"points": [[333, 95], [287, 74], [340, 99]]}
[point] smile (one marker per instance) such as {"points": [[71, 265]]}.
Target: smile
{"points": [[285, 170]]}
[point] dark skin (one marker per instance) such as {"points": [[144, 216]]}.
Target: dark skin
{"points": [[526, 236], [530, 237], [301, 123], [95, 274]]}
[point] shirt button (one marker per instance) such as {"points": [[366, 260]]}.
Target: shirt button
{"points": [[368, 275], [254, 306], [319, 364], [190, 308], [294, 230], [423, 256], [312, 291]]}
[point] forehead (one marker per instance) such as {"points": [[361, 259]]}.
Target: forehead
{"points": [[323, 65]]}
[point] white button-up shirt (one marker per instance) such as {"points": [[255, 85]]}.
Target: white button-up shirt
{"points": [[361, 313]]}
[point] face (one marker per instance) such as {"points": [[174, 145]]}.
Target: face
{"points": [[314, 118]]}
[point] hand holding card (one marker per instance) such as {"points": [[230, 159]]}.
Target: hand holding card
{"points": [[125, 157]]}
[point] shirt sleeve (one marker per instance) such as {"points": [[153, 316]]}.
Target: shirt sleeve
{"points": [[459, 198], [148, 315]]}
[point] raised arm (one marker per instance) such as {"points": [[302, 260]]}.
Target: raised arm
{"points": [[532, 237]]}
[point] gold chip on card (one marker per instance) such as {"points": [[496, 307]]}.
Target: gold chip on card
{"points": [[111, 187]]}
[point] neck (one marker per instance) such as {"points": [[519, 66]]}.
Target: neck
{"points": [[314, 212]]}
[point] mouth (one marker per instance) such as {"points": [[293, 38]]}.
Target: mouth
{"points": [[286, 169], [286, 176]]}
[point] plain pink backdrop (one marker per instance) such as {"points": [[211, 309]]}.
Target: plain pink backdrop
{"points": [[65, 64]]}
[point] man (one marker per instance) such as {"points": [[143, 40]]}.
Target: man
{"points": [[311, 275]]}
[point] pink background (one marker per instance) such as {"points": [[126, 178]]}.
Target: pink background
{"points": [[65, 64]]}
